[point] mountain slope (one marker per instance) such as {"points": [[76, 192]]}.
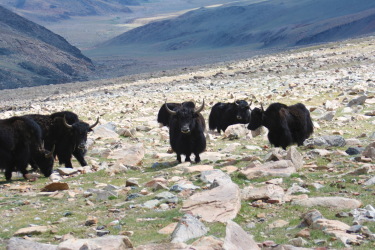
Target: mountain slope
{"points": [[263, 24], [31, 55]]}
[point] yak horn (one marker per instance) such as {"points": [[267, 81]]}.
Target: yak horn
{"points": [[96, 123], [235, 102], [50, 154], [169, 111], [200, 108], [251, 102], [66, 124]]}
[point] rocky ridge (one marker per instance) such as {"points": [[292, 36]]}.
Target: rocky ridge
{"points": [[318, 195]]}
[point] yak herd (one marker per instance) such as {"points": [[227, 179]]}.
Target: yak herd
{"points": [[37, 140], [287, 125]]}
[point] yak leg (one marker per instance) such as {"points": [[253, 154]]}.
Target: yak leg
{"points": [[33, 165], [22, 160], [8, 174], [6, 163], [197, 158], [80, 157], [179, 158], [188, 157], [65, 157]]}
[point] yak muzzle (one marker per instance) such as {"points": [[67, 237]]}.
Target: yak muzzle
{"points": [[185, 130], [82, 146]]}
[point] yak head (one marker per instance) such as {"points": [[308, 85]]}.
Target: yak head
{"points": [[44, 159], [242, 110], [186, 116], [256, 118], [79, 131]]}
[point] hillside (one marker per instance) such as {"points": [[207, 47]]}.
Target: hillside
{"points": [[259, 25], [245, 192], [87, 23], [31, 55]]}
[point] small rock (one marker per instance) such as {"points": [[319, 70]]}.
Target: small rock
{"points": [[278, 224], [56, 186], [101, 233], [168, 229], [298, 242], [357, 101], [304, 233], [91, 221], [151, 204], [354, 151], [33, 230], [354, 229], [342, 215], [67, 171]]}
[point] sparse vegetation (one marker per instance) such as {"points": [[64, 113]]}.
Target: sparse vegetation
{"points": [[130, 104]]}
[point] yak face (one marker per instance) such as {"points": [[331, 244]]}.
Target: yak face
{"points": [[78, 132], [243, 110], [186, 116], [45, 160], [256, 119]]}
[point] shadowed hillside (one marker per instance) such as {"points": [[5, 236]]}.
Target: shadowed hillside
{"points": [[31, 55], [264, 24]]}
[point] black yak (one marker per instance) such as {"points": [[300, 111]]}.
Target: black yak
{"points": [[223, 115], [164, 116], [67, 133], [286, 124], [186, 130], [20, 143]]}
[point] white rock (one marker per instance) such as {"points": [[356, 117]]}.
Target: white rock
{"points": [[189, 227], [237, 238]]}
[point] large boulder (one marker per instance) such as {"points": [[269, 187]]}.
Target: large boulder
{"points": [[106, 242], [22, 244], [265, 192], [220, 204], [236, 131], [130, 155], [283, 168], [237, 238], [329, 202], [189, 227]]}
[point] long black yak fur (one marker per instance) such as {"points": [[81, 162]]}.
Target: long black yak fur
{"points": [[67, 133], [287, 125], [223, 115], [20, 143], [186, 131], [163, 116]]}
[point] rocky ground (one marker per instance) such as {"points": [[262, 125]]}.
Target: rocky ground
{"points": [[245, 194]]}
